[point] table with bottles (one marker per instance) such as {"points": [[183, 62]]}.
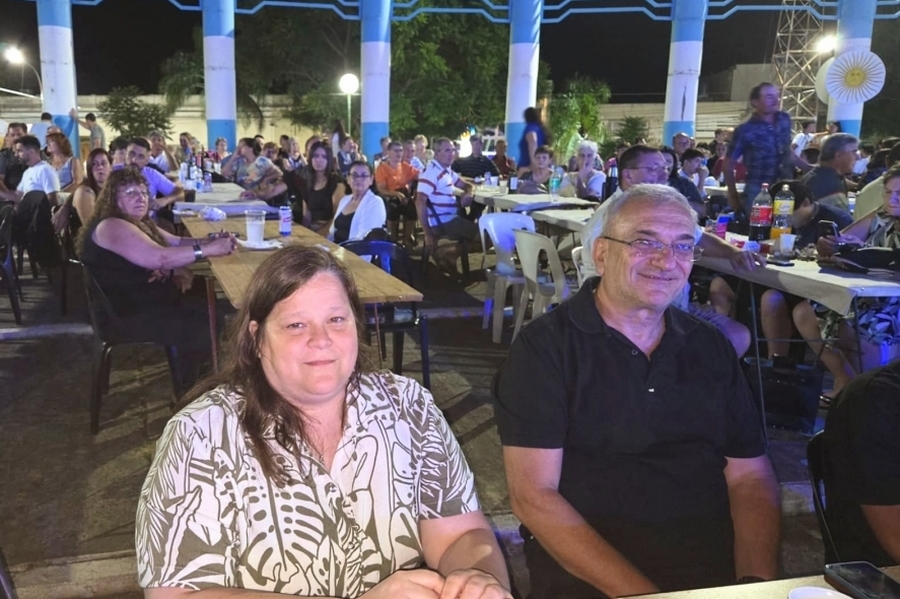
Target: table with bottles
{"points": [[224, 196]]}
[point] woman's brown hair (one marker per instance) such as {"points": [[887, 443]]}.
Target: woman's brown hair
{"points": [[62, 142], [107, 206], [241, 372]]}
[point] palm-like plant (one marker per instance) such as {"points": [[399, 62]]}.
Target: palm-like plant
{"points": [[575, 114], [183, 76]]}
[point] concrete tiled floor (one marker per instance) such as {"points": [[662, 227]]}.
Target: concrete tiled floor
{"points": [[67, 500]]}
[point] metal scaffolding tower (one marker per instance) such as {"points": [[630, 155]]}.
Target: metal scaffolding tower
{"points": [[797, 61]]}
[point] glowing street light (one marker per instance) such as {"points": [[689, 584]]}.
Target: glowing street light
{"points": [[349, 85], [826, 44], [15, 56]]}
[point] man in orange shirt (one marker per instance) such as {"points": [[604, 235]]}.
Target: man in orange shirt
{"points": [[393, 179]]}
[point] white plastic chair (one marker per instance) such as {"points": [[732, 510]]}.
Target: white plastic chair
{"points": [[579, 263], [544, 294], [499, 227]]}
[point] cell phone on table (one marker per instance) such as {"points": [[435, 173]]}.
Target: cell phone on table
{"points": [[862, 580], [779, 262]]}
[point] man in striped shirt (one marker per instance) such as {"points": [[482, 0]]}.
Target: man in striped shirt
{"points": [[438, 207]]}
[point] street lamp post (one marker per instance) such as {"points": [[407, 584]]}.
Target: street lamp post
{"points": [[15, 56], [349, 85]]}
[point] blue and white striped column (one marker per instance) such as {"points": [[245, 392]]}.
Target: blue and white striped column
{"points": [[60, 94], [218, 72], [524, 52], [685, 57], [854, 32], [375, 84]]}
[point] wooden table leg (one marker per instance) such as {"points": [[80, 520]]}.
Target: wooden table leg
{"points": [[211, 308]]}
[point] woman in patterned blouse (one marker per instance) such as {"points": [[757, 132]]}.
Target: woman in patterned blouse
{"points": [[299, 471]]}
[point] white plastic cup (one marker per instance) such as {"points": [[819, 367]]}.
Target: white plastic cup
{"points": [[786, 243], [256, 226]]}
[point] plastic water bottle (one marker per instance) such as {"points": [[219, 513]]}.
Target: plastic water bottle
{"points": [[784, 208], [761, 215], [284, 220], [207, 182], [513, 183], [555, 180]]}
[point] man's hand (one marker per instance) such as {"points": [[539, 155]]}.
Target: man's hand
{"points": [[747, 260], [248, 195], [408, 584], [465, 200], [73, 114], [474, 584], [430, 241]]}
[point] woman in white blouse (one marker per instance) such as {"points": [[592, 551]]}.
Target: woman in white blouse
{"points": [[359, 212], [587, 182]]}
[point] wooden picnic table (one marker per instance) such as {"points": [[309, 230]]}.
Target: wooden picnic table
{"points": [[234, 271]]}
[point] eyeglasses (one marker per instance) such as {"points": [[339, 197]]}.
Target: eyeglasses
{"points": [[659, 168], [359, 176], [646, 248], [134, 194]]}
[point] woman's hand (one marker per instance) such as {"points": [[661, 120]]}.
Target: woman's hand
{"points": [[408, 584], [183, 279], [474, 584], [220, 246], [248, 195], [827, 244]]}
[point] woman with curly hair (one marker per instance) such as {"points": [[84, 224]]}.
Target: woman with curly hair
{"points": [[68, 168], [141, 270]]}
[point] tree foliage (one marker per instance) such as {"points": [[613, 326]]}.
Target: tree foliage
{"points": [[183, 76], [632, 129], [447, 71], [575, 114], [131, 116]]}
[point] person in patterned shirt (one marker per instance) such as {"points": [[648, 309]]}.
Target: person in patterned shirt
{"points": [[764, 142], [300, 471]]}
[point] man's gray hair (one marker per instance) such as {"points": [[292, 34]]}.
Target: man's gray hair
{"points": [[656, 195], [438, 141], [587, 144], [836, 143]]}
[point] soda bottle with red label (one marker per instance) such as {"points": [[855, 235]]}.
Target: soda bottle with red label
{"points": [[761, 215]]}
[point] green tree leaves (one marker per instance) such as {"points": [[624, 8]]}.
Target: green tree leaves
{"points": [[130, 116]]}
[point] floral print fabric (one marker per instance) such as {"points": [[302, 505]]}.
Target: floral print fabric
{"points": [[207, 516]]}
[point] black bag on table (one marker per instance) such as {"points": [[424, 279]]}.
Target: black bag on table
{"points": [[792, 391]]}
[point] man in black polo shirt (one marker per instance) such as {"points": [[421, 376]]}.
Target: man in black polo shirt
{"points": [[862, 480], [634, 452], [826, 181], [475, 165]]}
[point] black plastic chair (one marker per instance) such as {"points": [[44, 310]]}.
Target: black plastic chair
{"points": [[110, 331], [816, 465], [462, 241], [69, 257], [394, 318], [7, 588], [7, 265]]}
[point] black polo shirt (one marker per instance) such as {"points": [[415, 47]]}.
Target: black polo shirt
{"points": [[862, 445], [644, 440], [475, 166]]}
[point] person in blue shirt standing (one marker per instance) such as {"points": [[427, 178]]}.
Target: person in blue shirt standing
{"points": [[764, 143], [534, 136]]}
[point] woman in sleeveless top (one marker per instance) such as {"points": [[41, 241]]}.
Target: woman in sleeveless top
{"points": [[878, 228], [319, 189], [68, 168], [99, 166], [141, 270]]}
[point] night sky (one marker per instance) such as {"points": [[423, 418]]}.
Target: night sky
{"points": [[122, 42]]}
